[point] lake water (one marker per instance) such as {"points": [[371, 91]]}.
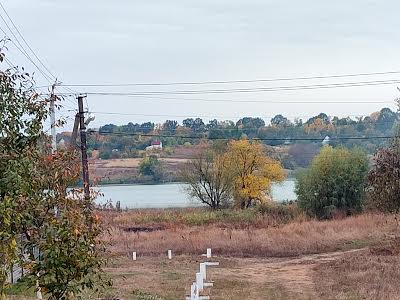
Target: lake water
{"points": [[170, 195]]}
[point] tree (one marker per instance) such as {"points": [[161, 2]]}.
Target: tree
{"points": [[250, 123], [170, 125], [35, 212], [322, 116], [212, 124], [64, 229], [197, 125], [280, 120], [151, 166], [208, 177], [335, 180], [384, 179], [386, 119], [253, 172], [147, 127]]}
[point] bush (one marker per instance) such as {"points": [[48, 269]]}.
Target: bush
{"points": [[384, 179], [283, 211], [335, 181], [151, 166]]}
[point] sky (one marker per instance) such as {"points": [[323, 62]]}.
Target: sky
{"points": [[131, 41]]}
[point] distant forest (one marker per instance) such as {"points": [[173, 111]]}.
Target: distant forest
{"points": [[112, 141]]}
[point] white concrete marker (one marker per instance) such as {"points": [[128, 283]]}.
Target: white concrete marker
{"points": [[169, 254], [208, 252], [133, 255], [199, 281], [203, 270], [38, 291], [212, 263], [193, 291]]}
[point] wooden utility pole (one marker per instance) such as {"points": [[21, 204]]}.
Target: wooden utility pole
{"points": [[82, 130]]}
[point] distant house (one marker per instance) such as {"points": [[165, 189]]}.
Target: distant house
{"points": [[326, 140], [155, 145]]}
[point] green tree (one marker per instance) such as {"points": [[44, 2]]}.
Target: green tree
{"points": [[35, 212], [152, 166], [280, 120], [170, 126], [335, 180]]}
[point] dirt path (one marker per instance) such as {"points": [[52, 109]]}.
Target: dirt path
{"points": [[280, 278], [235, 278]]}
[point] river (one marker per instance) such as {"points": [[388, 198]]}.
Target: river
{"points": [[170, 195]]}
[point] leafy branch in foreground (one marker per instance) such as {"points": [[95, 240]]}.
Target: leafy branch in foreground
{"points": [[37, 215]]}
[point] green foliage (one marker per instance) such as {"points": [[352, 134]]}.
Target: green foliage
{"points": [[152, 166], [22, 287], [70, 260], [21, 117], [335, 180], [35, 212], [378, 123]]}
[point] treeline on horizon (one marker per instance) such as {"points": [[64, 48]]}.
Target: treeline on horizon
{"points": [[125, 141]]}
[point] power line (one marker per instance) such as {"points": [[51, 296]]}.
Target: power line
{"points": [[205, 116], [23, 51], [262, 101], [9, 63], [234, 81], [49, 76], [139, 97], [251, 90], [26, 43]]}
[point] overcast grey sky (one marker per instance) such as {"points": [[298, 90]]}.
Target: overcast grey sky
{"points": [[166, 41]]}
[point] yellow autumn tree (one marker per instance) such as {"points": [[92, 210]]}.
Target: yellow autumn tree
{"points": [[253, 172]]}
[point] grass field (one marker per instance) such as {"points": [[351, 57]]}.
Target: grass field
{"points": [[271, 257], [263, 236], [118, 171]]}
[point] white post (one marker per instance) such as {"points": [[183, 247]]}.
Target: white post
{"points": [[199, 281], [208, 252], [203, 270], [169, 254], [38, 291], [193, 292], [133, 255]]}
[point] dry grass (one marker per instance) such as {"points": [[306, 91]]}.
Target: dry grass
{"points": [[374, 274], [130, 162], [295, 238], [266, 216], [126, 170], [235, 279], [291, 261]]}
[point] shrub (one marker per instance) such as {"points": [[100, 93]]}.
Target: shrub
{"points": [[335, 181], [384, 179], [152, 166]]}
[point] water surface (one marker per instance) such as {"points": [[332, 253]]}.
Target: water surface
{"points": [[170, 195]]}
